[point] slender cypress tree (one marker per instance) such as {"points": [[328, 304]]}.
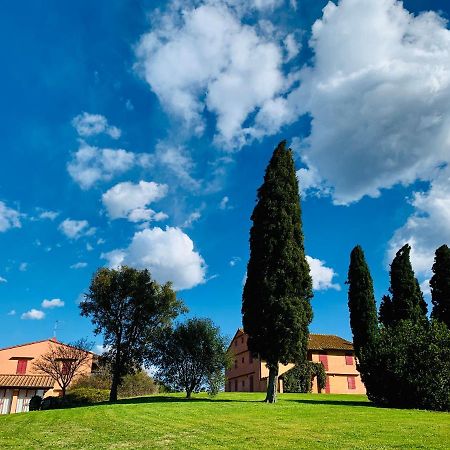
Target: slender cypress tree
{"points": [[407, 300], [385, 314], [361, 303], [276, 305], [440, 285]]}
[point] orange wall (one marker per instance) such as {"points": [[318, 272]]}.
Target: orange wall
{"points": [[8, 366]]}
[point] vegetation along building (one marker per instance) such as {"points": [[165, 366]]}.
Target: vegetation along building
{"points": [[19, 379], [249, 373]]}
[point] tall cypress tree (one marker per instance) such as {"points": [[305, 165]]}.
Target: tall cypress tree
{"points": [[276, 305], [406, 300], [361, 303], [440, 285]]}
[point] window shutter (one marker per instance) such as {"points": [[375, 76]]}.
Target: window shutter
{"points": [[349, 360], [21, 367], [351, 382], [324, 360]]}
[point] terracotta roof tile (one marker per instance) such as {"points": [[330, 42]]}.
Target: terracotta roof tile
{"points": [[328, 342], [26, 381]]}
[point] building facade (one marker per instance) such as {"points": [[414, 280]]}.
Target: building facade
{"points": [[19, 381], [249, 373]]}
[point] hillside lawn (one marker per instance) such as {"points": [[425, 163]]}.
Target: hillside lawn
{"points": [[232, 421]]}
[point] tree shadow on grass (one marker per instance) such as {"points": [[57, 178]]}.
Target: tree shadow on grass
{"points": [[335, 402]]}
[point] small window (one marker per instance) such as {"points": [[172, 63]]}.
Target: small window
{"points": [[242, 339], [21, 367], [250, 358], [324, 360], [235, 385], [235, 363], [243, 383], [229, 386], [349, 359], [65, 367], [243, 360], [351, 382]]}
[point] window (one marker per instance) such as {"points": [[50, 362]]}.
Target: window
{"points": [[327, 385], [235, 363], [250, 358], [324, 360], [21, 367], [243, 383], [349, 359], [235, 385], [242, 339], [243, 360], [229, 386], [65, 367], [351, 381]]}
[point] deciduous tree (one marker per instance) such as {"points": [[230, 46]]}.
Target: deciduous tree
{"points": [[129, 308]]}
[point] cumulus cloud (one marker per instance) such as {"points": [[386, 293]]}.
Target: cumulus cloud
{"points": [[33, 314], [428, 227], [225, 203], [168, 254], [9, 218], [54, 303], [50, 215], [322, 276], [3, 280], [91, 164], [92, 124], [75, 229], [130, 201], [378, 101], [201, 56]]}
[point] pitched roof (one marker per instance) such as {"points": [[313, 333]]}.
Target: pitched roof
{"points": [[26, 381], [328, 342], [53, 340], [319, 341]]}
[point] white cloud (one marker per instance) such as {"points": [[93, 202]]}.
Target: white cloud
{"points": [[89, 247], [378, 100], [9, 218], [130, 201], [92, 124], [234, 260], [23, 267], [75, 229], [91, 164], [428, 227], [54, 303], [322, 276], [79, 265], [225, 203], [169, 255], [33, 314], [12, 312], [51, 215], [3, 280], [292, 47], [193, 217], [200, 56]]}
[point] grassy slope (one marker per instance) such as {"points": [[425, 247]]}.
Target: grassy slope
{"points": [[230, 421]]}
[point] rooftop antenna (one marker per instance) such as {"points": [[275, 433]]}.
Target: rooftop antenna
{"points": [[55, 328]]}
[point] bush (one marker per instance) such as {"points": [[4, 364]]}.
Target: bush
{"points": [[300, 377], [410, 366], [35, 403], [54, 403], [86, 396]]}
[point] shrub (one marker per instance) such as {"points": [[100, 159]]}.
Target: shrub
{"points": [[35, 403], [86, 396], [300, 377], [54, 403]]}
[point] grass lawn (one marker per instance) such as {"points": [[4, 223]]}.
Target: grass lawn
{"points": [[232, 420]]}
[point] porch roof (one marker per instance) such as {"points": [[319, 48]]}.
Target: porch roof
{"points": [[26, 381]]}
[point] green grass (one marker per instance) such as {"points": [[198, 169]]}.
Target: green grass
{"points": [[232, 421]]}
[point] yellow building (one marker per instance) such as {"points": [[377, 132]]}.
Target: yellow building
{"points": [[250, 374], [18, 379]]}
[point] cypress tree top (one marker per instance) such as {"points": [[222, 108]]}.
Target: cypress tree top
{"points": [[407, 299], [440, 285], [361, 302], [276, 299]]}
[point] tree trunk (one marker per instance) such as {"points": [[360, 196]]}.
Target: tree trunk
{"points": [[271, 396], [63, 391], [114, 387], [188, 394]]}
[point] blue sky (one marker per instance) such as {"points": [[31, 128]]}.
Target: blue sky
{"points": [[138, 132]]}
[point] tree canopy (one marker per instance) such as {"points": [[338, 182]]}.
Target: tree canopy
{"points": [[128, 307], [191, 356], [276, 298], [440, 285]]}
